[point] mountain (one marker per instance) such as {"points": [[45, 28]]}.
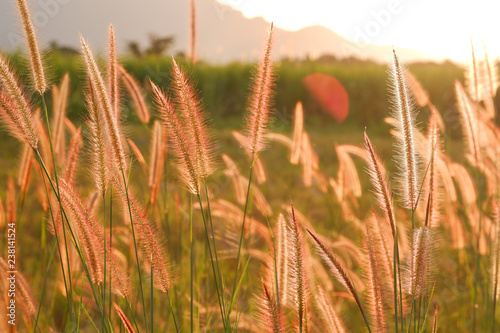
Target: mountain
{"points": [[224, 34]]}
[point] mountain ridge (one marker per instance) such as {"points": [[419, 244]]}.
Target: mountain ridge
{"points": [[224, 34]]}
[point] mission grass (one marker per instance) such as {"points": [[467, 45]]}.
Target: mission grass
{"points": [[292, 273]]}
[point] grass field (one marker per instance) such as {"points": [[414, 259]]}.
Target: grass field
{"points": [[158, 217]]}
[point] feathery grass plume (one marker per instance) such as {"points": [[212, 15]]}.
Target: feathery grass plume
{"points": [[472, 75], [233, 172], [158, 154], [435, 322], [195, 121], [154, 152], [135, 92], [152, 248], [91, 232], [419, 273], [35, 56], [421, 96], [297, 268], [328, 313], [232, 215], [491, 73], [92, 200], [455, 226], [15, 111], [269, 312], [380, 183], [59, 116], [280, 138], [181, 147], [352, 182], [338, 271], [283, 259], [23, 178], [469, 122], [465, 183], [98, 143], [138, 155], [374, 283], [259, 198], [105, 107], [384, 250], [70, 126], [342, 243], [126, 323], [495, 262], [23, 293], [112, 74], [192, 40], [298, 127], [259, 171], [432, 180], [306, 158], [404, 111], [259, 102], [88, 242], [72, 160], [446, 177], [40, 189]]}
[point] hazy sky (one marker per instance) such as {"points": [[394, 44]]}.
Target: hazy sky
{"points": [[441, 28], [438, 27]]}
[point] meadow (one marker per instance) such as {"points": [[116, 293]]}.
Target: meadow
{"points": [[161, 194]]}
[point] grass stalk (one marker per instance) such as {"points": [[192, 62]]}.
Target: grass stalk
{"points": [[53, 247], [395, 284], [104, 264], [242, 231], [110, 245], [219, 292], [133, 316], [275, 262], [125, 184], [74, 239], [39, 159], [171, 310], [60, 203], [209, 212]]}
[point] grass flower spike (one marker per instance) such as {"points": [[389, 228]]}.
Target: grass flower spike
{"points": [[260, 100], [35, 56], [14, 108], [195, 122], [104, 105], [407, 154]]}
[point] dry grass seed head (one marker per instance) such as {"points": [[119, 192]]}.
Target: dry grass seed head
{"points": [[328, 313], [37, 69], [374, 281], [195, 121], [104, 106], [151, 245], [405, 112], [299, 291], [259, 102], [380, 183], [181, 146], [135, 92], [269, 313], [15, 110]]}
